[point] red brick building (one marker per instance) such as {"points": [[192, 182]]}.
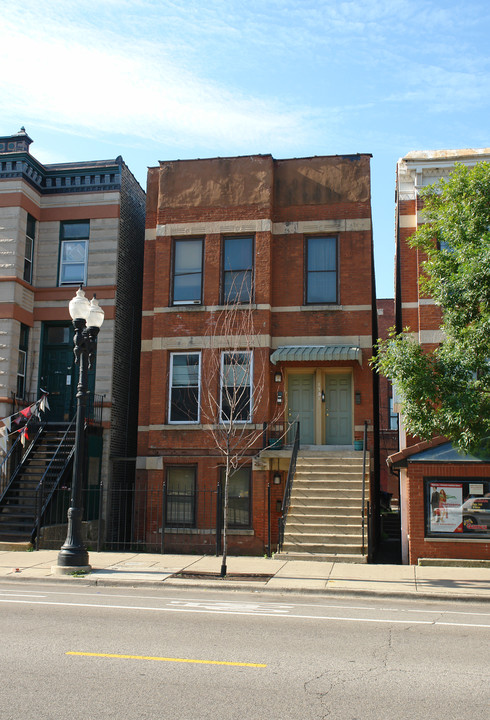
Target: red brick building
{"points": [[296, 234], [445, 511]]}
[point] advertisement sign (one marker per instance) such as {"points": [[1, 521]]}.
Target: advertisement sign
{"points": [[445, 504]]}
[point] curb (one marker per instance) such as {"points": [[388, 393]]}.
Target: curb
{"points": [[248, 587]]}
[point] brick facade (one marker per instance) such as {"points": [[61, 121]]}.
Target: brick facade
{"points": [[280, 204]]}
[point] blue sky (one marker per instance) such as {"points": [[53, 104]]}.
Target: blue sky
{"points": [[163, 79]]}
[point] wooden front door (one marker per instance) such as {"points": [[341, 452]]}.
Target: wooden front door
{"points": [[301, 405], [338, 409]]}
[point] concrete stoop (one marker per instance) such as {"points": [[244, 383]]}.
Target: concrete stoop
{"points": [[324, 521]]}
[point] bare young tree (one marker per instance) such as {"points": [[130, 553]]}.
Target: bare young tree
{"points": [[234, 383]]}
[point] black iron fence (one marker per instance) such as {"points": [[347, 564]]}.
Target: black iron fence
{"points": [[151, 520]]}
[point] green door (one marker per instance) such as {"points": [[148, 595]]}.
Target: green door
{"points": [[59, 374], [301, 405], [338, 409]]}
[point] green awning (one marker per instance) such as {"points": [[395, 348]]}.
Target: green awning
{"points": [[316, 353]]}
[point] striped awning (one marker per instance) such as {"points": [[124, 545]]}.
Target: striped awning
{"points": [[317, 353]]}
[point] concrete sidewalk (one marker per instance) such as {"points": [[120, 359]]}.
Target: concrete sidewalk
{"points": [[258, 574]]}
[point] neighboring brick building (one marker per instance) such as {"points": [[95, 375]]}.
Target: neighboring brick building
{"points": [[458, 528], [62, 225], [298, 234]]}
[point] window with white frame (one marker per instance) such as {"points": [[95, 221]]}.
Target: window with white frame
{"points": [[29, 248], [22, 361], [236, 387], [187, 271], [74, 237], [185, 370]]}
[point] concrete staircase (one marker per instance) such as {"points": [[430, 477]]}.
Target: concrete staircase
{"points": [[324, 519]]}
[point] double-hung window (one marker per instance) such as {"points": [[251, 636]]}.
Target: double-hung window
{"points": [[321, 270], [29, 248], [237, 283], [184, 387], [236, 387], [187, 275], [181, 496], [238, 497], [74, 236], [22, 361]]}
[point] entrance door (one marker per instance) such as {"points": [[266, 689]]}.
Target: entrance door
{"points": [[58, 371], [338, 409], [301, 405]]}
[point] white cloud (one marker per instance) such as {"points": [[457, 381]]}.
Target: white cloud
{"points": [[70, 74]]}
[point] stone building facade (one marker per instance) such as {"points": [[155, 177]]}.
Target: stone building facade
{"points": [[62, 225]]}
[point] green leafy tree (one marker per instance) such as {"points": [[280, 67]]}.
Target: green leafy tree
{"points": [[447, 390]]}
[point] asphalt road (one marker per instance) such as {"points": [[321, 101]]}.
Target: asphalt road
{"points": [[83, 652]]}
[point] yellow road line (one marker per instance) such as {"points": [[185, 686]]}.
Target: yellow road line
{"points": [[166, 659]]}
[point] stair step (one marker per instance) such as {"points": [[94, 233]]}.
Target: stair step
{"points": [[322, 557], [323, 548]]}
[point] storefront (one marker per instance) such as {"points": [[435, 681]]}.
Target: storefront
{"points": [[445, 502]]}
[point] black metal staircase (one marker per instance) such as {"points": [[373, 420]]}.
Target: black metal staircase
{"points": [[31, 484]]}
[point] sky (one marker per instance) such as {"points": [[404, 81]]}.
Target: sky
{"points": [[159, 80]]}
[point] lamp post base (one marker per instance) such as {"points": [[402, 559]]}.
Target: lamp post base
{"points": [[70, 569], [74, 557]]}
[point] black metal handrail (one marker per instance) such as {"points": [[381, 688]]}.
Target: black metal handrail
{"points": [[273, 435], [95, 406], [31, 424], [56, 467], [364, 449], [289, 486]]}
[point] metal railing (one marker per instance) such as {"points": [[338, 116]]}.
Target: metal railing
{"points": [[274, 435], [289, 486], [363, 510], [95, 404], [53, 474], [16, 455], [150, 520]]}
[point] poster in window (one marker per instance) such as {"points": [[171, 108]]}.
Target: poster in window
{"points": [[445, 501]]}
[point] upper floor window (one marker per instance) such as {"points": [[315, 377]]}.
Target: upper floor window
{"points": [[184, 387], [236, 387], [321, 270], [74, 237], [29, 248], [237, 269], [187, 278]]}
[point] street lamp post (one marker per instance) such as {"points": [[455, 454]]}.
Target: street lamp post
{"points": [[87, 320]]}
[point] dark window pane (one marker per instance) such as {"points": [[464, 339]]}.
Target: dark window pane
{"points": [[57, 335], [75, 230], [238, 497], [238, 286], [184, 391], [238, 253], [31, 227], [181, 488], [185, 405]]}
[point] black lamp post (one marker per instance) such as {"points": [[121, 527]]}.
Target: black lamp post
{"points": [[87, 320]]}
